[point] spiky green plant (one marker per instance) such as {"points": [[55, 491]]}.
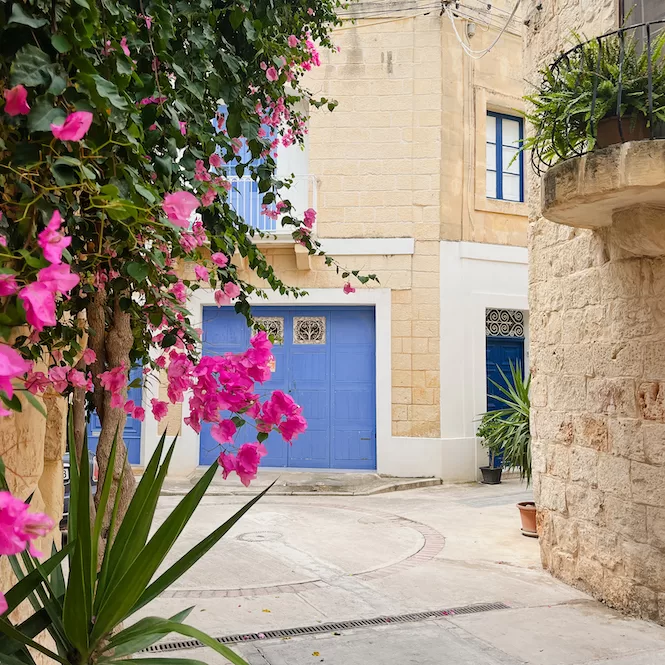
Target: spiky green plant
{"points": [[506, 430], [83, 605]]}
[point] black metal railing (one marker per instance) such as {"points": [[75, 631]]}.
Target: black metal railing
{"points": [[603, 91]]}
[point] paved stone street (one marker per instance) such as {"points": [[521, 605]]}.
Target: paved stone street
{"points": [[304, 561]]}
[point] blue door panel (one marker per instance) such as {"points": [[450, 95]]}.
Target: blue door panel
{"points": [[500, 353], [333, 382], [132, 432]]}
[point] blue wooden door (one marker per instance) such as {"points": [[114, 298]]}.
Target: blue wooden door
{"points": [[326, 361], [500, 353], [132, 432]]}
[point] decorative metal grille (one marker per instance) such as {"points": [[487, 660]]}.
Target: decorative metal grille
{"points": [[309, 329], [273, 325], [504, 323]]}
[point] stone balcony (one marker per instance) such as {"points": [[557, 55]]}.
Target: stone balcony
{"points": [[621, 186]]}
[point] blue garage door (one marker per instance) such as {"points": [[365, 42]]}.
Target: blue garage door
{"points": [[326, 361], [132, 432]]}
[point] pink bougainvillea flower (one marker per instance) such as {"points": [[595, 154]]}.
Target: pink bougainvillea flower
{"points": [[52, 241], [8, 285], [223, 432], [271, 74], [3, 240], [232, 290], [348, 288], [310, 11], [89, 356], [208, 198], [12, 366], [179, 291], [114, 380], [16, 101], [228, 464], [201, 273], [58, 378], [36, 382], [292, 41], [58, 278], [77, 378], [124, 47], [159, 409], [75, 127], [139, 414], [247, 461], [292, 426], [220, 259], [215, 160], [39, 304], [18, 527], [221, 298], [147, 19], [179, 207], [183, 127], [309, 218], [3, 604]]}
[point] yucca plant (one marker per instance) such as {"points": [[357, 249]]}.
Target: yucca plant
{"points": [[506, 431], [83, 605]]}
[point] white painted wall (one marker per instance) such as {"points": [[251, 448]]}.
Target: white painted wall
{"points": [[474, 277]]}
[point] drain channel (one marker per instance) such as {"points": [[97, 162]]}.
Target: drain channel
{"points": [[329, 627]]}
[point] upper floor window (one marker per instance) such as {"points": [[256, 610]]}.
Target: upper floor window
{"points": [[505, 163]]}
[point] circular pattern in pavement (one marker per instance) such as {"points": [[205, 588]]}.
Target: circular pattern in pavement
{"points": [[392, 544]]}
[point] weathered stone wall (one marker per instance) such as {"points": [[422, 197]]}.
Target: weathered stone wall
{"points": [[598, 360], [31, 448]]}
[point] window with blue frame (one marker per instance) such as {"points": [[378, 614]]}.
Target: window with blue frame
{"points": [[505, 163]]}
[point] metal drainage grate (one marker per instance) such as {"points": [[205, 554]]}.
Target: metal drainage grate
{"points": [[329, 627]]}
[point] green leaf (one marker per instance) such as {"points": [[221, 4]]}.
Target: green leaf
{"points": [[60, 43], [145, 193], [82, 3], [22, 589], [14, 403], [30, 67], [117, 603], [178, 569], [34, 402], [112, 563], [58, 85], [138, 271], [141, 634], [43, 114], [124, 66], [20, 17], [10, 631], [110, 92], [103, 500], [31, 260]]}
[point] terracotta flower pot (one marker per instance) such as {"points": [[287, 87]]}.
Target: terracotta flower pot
{"points": [[528, 517], [632, 128]]}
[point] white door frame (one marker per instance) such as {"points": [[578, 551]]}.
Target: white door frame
{"points": [[186, 455]]}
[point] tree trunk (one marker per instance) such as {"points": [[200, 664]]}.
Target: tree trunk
{"points": [[112, 346]]}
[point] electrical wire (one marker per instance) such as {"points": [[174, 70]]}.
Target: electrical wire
{"points": [[476, 55]]}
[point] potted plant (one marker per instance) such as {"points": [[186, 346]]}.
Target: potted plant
{"points": [[508, 432], [576, 107], [487, 433]]}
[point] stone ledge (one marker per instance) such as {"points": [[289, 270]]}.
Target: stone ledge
{"points": [[622, 185]]}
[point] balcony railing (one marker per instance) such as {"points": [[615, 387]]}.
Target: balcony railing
{"points": [[246, 201], [601, 92]]}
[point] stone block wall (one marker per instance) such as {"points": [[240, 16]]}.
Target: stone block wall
{"points": [[31, 448], [597, 331]]}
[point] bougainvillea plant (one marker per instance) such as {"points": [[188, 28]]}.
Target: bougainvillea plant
{"points": [[114, 164]]}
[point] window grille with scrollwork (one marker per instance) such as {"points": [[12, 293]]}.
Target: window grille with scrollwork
{"points": [[504, 323], [309, 329]]}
